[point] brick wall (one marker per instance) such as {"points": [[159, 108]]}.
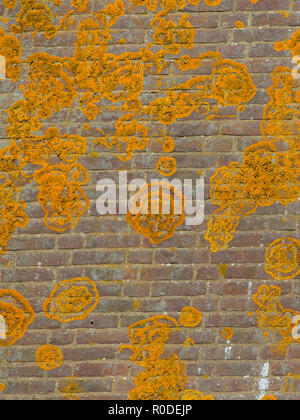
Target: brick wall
{"points": [[136, 279]]}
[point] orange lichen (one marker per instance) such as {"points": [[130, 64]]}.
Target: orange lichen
{"points": [[36, 15], [292, 44], [269, 398], [18, 315], [283, 259], [10, 49], [161, 211], [130, 136], [172, 36], [264, 177], [2, 387], [188, 343], [71, 388], [292, 383], [49, 357], [80, 5], [275, 322], [239, 24], [72, 300], [60, 193], [190, 317], [148, 338], [169, 144], [167, 166], [229, 84], [227, 333], [191, 394], [163, 378], [281, 116], [223, 269]]}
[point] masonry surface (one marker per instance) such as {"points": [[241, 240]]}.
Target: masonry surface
{"points": [[135, 278]]}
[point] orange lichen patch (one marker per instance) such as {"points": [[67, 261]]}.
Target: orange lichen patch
{"points": [[230, 84], [211, 3], [10, 49], [275, 322], [72, 300], [167, 166], [18, 315], [80, 5], [292, 383], [10, 4], [172, 36], [176, 105], [148, 338], [227, 333], [111, 13], [223, 269], [239, 24], [169, 145], [283, 259], [129, 137], [188, 343], [264, 177], [221, 228], [71, 388], [2, 387], [163, 378], [160, 212], [49, 357], [190, 317], [60, 193], [191, 394], [281, 116], [37, 16], [269, 398], [292, 44], [49, 87], [12, 213]]}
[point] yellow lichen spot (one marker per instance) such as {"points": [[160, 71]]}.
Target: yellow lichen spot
{"points": [[275, 322], [190, 317], [166, 166], [191, 394], [283, 259], [227, 333], [61, 194], [136, 304], [292, 383], [17, 314], [269, 398], [169, 144], [163, 378], [264, 177], [250, 314], [239, 24], [223, 269], [80, 5], [189, 342], [172, 36], [130, 136], [49, 357], [71, 388], [72, 300], [2, 387]]}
